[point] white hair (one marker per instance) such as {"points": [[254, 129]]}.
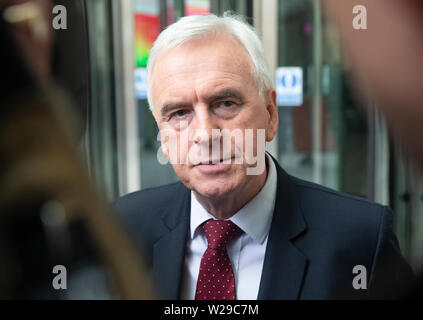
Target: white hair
{"points": [[193, 28]]}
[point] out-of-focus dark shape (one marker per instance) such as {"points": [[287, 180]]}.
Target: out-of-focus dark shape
{"points": [[71, 58], [50, 213], [387, 61]]}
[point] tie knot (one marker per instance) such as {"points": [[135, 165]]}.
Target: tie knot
{"points": [[220, 232]]}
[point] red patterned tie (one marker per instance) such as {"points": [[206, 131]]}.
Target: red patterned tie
{"points": [[216, 278]]}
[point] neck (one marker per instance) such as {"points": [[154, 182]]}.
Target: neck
{"points": [[225, 207]]}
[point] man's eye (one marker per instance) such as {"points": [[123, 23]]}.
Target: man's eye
{"points": [[226, 104], [179, 113]]}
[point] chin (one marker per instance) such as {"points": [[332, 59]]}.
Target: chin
{"points": [[214, 188], [213, 185]]}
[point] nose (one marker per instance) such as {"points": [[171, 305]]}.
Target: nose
{"points": [[203, 124]]}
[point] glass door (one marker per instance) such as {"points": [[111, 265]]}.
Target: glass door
{"points": [[323, 131]]}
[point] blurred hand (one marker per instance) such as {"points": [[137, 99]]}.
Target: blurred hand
{"points": [[29, 24]]}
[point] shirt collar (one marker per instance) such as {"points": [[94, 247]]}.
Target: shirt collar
{"points": [[254, 218]]}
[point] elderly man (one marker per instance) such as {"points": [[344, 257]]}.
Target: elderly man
{"points": [[235, 228]]}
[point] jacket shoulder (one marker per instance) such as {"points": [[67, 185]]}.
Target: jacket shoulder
{"points": [[350, 231], [142, 212], [324, 197], [339, 214], [150, 198]]}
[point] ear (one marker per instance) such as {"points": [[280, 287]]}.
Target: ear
{"points": [[273, 116]]}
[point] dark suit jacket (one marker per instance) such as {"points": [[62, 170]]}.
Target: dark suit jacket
{"points": [[316, 238]]}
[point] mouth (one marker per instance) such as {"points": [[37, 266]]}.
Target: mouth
{"points": [[212, 162], [214, 166], [217, 161]]}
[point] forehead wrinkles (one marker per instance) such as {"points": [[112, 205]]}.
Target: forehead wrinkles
{"points": [[224, 55]]}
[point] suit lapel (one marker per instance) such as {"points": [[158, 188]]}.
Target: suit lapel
{"points": [[169, 250], [284, 265]]}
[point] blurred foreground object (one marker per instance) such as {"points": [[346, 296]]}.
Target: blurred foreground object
{"points": [[40, 168], [50, 214], [387, 59]]}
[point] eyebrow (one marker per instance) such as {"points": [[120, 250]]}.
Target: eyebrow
{"points": [[225, 93], [170, 106]]}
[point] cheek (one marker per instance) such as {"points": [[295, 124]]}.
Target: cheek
{"points": [[263, 131], [175, 144], [255, 126], [179, 169], [183, 174], [257, 115]]}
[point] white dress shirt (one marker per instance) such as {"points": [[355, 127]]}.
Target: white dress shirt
{"points": [[245, 252]]}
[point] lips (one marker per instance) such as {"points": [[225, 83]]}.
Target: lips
{"points": [[214, 167], [212, 162], [217, 161]]}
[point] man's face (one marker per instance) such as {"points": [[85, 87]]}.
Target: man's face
{"points": [[201, 87]]}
